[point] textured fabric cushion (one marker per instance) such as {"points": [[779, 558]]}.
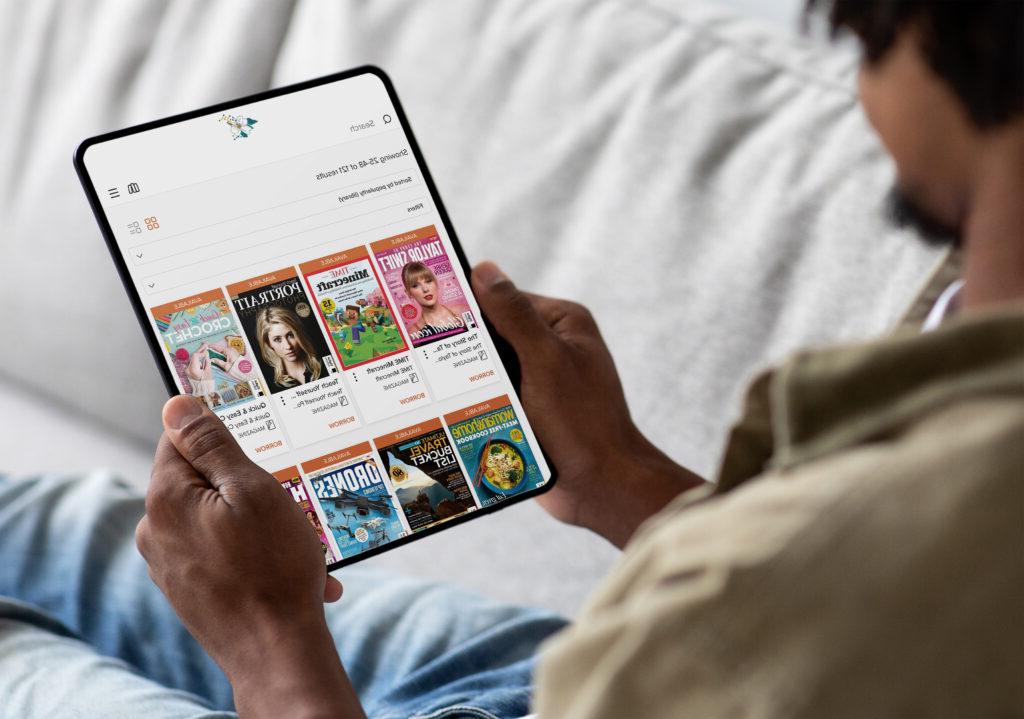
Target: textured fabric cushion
{"points": [[710, 190]]}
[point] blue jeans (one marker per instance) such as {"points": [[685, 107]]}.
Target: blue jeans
{"points": [[85, 633]]}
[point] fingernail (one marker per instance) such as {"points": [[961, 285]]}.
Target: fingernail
{"points": [[179, 411], [490, 273]]}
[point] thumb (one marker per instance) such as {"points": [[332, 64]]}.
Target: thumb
{"points": [[203, 440], [332, 589], [509, 310]]}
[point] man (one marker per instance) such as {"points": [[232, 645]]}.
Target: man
{"points": [[860, 554]]}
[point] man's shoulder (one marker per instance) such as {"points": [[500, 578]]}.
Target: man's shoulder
{"points": [[973, 439], [826, 401], [825, 581], [948, 470]]}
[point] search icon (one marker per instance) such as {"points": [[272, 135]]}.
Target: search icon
{"points": [[387, 119]]}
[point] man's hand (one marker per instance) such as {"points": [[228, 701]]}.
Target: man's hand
{"points": [[238, 561], [610, 477]]}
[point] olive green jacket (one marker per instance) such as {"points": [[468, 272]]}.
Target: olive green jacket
{"points": [[861, 555]]}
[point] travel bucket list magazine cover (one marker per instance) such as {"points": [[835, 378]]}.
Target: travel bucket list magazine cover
{"points": [[420, 463]]}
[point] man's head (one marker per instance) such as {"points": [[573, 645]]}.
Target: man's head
{"points": [[942, 83]]}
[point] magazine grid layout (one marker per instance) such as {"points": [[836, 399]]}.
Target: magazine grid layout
{"points": [[367, 338]]}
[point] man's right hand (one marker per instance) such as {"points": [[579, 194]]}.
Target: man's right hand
{"points": [[610, 477]]}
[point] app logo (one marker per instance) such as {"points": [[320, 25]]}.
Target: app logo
{"points": [[240, 125]]}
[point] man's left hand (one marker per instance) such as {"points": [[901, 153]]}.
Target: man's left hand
{"points": [[237, 559]]}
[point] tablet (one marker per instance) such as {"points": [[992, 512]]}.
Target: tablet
{"points": [[291, 264]]}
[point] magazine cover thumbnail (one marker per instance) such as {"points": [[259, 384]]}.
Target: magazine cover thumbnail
{"points": [[360, 512], [357, 315], [206, 348], [421, 464], [494, 450], [292, 483], [420, 276], [277, 318]]}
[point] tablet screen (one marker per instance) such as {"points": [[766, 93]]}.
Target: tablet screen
{"points": [[296, 271]]}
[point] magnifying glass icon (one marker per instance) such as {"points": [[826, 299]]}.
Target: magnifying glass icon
{"points": [[387, 119]]}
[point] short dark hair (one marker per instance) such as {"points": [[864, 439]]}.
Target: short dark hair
{"points": [[975, 46]]}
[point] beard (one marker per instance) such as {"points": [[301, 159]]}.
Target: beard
{"points": [[906, 213]]}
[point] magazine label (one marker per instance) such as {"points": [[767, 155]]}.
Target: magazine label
{"points": [[359, 509], [424, 472], [292, 483], [494, 450], [306, 388]]}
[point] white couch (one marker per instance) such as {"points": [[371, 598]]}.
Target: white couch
{"points": [[704, 182]]}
